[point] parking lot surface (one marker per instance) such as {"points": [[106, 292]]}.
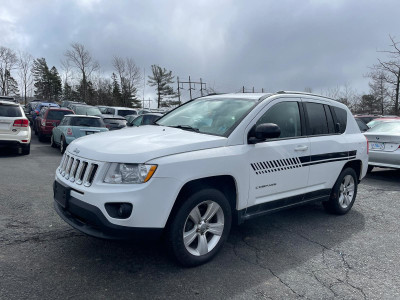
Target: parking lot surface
{"points": [[299, 253]]}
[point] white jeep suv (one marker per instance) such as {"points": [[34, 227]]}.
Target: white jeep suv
{"points": [[14, 127], [210, 162]]}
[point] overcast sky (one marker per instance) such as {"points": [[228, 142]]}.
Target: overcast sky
{"points": [[275, 45]]}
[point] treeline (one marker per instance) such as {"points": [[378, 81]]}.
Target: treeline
{"points": [[81, 79]]}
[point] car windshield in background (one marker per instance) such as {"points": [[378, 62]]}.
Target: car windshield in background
{"points": [[9, 111], [386, 127], [215, 116], [86, 122], [87, 110], [57, 114], [125, 112]]}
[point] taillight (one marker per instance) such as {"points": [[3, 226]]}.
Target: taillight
{"points": [[21, 123], [43, 121], [108, 126], [69, 131], [367, 145]]}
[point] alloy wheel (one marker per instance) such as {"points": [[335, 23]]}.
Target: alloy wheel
{"points": [[346, 191], [203, 228]]}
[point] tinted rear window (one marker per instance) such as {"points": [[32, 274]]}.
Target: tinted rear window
{"points": [[10, 111], [148, 120], [57, 114], [115, 121], [126, 112], [341, 116], [88, 122], [317, 122]]}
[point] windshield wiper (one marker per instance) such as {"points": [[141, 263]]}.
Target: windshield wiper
{"points": [[186, 127]]}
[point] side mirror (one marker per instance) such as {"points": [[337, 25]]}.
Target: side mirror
{"points": [[262, 132]]}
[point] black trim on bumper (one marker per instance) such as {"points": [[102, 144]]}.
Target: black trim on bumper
{"points": [[90, 220]]}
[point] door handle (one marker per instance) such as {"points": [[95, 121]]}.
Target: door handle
{"points": [[301, 148]]}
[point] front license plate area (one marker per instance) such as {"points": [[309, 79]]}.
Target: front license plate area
{"points": [[377, 146], [61, 194]]}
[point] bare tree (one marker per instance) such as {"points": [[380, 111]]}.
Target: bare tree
{"points": [[379, 89], [8, 62], [25, 61], [130, 77], [392, 70], [308, 90], [81, 59]]}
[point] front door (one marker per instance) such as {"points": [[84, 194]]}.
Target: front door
{"points": [[276, 170]]}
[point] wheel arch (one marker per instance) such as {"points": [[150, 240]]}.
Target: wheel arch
{"points": [[225, 183], [356, 165]]}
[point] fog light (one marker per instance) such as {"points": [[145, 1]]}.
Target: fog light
{"points": [[119, 210], [124, 210]]}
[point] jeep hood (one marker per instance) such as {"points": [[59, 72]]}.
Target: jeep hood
{"points": [[141, 144]]}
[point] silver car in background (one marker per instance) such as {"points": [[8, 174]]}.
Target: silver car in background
{"points": [[384, 145]]}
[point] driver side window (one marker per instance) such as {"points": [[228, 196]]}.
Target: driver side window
{"points": [[286, 115]]}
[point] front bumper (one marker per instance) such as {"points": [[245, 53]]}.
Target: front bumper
{"points": [[91, 221]]}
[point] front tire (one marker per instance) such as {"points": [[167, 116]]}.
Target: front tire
{"points": [[343, 193], [52, 143], [63, 145], [199, 227]]}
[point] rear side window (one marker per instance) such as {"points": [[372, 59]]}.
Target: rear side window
{"points": [[341, 118], [329, 118], [57, 114], [10, 111], [317, 122], [287, 116]]}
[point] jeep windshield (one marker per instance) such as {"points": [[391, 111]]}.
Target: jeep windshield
{"points": [[216, 116]]}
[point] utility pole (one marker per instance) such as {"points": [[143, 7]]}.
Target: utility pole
{"points": [[144, 83], [179, 90], [190, 86]]}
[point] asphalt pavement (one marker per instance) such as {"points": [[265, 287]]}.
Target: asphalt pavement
{"points": [[299, 253]]}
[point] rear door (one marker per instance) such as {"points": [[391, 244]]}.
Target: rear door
{"points": [[329, 146], [276, 169]]}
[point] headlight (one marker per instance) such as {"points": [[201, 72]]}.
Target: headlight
{"points": [[129, 173]]}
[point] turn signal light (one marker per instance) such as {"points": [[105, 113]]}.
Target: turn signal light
{"points": [[21, 123]]}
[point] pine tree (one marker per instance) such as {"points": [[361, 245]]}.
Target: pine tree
{"points": [[116, 90], [55, 84], [162, 79], [47, 81]]}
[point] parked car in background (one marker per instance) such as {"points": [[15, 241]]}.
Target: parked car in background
{"points": [[102, 108], [384, 145], [68, 103], [8, 98], [366, 118], [143, 111], [38, 108], [114, 122], [88, 110], [377, 121], [363, 127], [147, 119], [30, 107], [14, 127], [120, 111], [130, 118], [72, 127], [48, 119]]}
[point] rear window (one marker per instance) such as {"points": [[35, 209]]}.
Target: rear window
{"points": [[10, 111], [149, 120], [87, 110], [57, 114], [86, 122], [115, 121], [126, 112], [386, 127], [341, 116]]}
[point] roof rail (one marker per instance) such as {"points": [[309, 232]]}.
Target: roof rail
{"points": [[303, 93]]}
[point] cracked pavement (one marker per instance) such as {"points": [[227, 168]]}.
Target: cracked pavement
{"points": [[302, 253]]}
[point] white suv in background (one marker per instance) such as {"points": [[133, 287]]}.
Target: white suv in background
{"points": [[14, 127], [120, 111], [210, 162]]}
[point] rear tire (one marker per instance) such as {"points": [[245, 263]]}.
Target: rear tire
{"points": [[63, 144], [343, 193], [26, 149], [199, 227]]}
